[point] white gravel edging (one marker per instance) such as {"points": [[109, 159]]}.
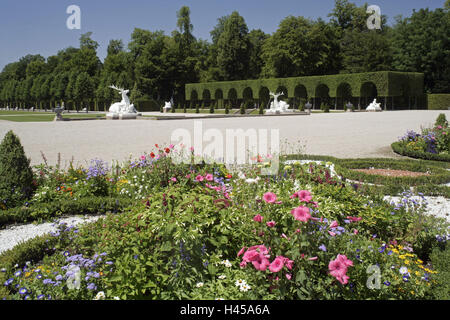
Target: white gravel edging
{"points": [[13, 235]]}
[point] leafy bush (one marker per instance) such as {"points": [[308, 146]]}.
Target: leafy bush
{"points": [[441, 121], [438, 101], [325, 107], [440, 258], [17, 181]]}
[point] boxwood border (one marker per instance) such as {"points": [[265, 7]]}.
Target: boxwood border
{"points": [[401, 149]]}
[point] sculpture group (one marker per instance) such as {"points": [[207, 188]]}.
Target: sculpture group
{"points": [[123, 109], [277, 107], [374, 106]]}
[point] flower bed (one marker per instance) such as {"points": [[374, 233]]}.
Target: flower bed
{"points": [[199, 231], [430, 144]]}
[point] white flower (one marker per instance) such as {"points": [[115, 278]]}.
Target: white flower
{"points": [[240, 283], [199, 285], [220, 299], [227, 263], [221, 277], [116, 298], [245, 288], [403, 270], [100, 296]]}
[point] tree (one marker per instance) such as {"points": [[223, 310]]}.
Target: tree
{"points": [[87, 42], [84, 89], [301, 47], [256, 63], [233, 49], [16, 184], [421, 43]]}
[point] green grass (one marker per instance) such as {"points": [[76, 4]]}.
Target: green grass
{"points": [[29, 118], [2, 112], [47, 117]]}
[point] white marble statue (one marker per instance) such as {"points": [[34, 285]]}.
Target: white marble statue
{"points": [[277, 106], [167, 107], [123, 106], [374, 106]]}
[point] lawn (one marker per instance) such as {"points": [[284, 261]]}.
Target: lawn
{"points": [[45, 117]]}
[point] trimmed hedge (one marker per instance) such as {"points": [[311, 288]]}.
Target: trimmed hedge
{"points": [[43, 211], [438, 101], [399, 148], [388, 83]]}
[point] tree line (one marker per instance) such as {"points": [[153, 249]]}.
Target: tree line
{"points": [[156, 66]]}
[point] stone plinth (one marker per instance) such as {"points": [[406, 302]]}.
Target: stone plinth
{"points": [[122, 116]]}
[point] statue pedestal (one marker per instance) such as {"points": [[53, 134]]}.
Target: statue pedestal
{"points": [[122, 116]]}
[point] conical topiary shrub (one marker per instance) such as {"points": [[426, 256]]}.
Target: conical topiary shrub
{"points": [[16, 183]]}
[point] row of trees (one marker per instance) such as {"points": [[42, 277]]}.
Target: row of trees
{"points": [[157, 66]]}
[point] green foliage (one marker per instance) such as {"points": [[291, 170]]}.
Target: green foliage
{"points": [[438, 101], [441, 121], [439, 259], [403, 150], [325, 107], [16, 184]]}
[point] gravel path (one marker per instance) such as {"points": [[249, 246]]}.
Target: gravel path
{"points": [[343, 135], [438, 207], [13, 235]]}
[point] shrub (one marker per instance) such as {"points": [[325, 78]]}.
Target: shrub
{"points": [[439, 259], [16, 183], [438, 101], [441, 121], [325, 107], [227, 109], [197, 108]]}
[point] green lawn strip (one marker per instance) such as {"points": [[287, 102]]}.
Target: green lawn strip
{"points": [[29, 118], [14, 113]]}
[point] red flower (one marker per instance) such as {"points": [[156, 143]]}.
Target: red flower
{"points": [[152, 155], [156, 145], [167, 150]]}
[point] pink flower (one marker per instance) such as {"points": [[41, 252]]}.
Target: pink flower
{"points": [[277, 264], [332, 233], [354, 219], [199, 178], [343, 279], [243, 264], [304, 195], [271, 224], [209, 177], [337, 268], [301, 214], [262, 263], [313, 258], [173, 179], [344, 260], [289, 263], [270, 197], [241, 251], [188, 176], [334, 224], [258, 218], [355, 231], [288, 276], [142, 158], [171, 146], [250, 255]]}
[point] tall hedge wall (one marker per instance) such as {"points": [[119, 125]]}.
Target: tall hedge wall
{"points": [[438, 101], [387, 83]]}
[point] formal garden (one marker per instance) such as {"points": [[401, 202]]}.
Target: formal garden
{"points": [[204, 231]]}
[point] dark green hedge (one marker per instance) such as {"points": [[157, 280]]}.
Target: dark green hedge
{"points": [[438, 101], [388, 83], [42, 211], [401, 149]]}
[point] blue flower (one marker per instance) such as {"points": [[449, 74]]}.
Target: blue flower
{"points": [[323, 248], [59, 277], [41, 296], [17, 273], [387, 283], [23, 291], [92, 286], [9, 281]]}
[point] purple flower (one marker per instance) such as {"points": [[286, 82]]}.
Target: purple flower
{"points": [[323, 248], [92, 286], [9, 281], [23, 291]]}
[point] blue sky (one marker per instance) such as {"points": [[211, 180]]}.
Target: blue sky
{"points": [[39, 26]]}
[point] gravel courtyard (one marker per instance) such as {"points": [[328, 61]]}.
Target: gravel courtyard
{"points": [[343, 135]]}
